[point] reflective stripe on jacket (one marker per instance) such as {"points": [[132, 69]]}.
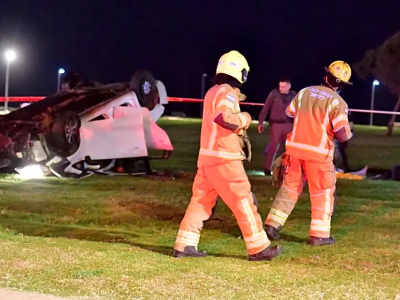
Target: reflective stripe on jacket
{"points": [[222, 122], [318, 113]]}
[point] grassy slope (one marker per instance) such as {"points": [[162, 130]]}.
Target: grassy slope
{"points": [[110, 238]]}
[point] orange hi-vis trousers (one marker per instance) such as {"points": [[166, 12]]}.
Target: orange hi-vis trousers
{"points": [[230, 182], [321, 179]]}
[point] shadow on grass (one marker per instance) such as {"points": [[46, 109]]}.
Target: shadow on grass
{"points": [[165, 212], [36, 229], [239, 257], [292, 238], [65, 231]]}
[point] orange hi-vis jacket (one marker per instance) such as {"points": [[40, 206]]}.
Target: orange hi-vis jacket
{"points": [[319, 113], [222, 123]]}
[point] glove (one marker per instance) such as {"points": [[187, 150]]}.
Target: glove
{"points": [[242, 97], [279, 168], [246, 145], [276, 172]]}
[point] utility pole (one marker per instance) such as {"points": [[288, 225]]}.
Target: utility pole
{"points": [[371, 116], [203, 79]]}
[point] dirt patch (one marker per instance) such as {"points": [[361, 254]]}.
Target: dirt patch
{"points": [[20, 265], [124, 210], [367, 266]]}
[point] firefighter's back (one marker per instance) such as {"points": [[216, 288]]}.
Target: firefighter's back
{"points": [[312, 135], [217, 144], [207, 123]]}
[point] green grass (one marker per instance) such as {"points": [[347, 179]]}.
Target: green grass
{"points": [[112, 237], [370, 146]]}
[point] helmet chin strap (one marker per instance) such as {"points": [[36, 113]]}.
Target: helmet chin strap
{"points": [[337, 90], [327, 84]]}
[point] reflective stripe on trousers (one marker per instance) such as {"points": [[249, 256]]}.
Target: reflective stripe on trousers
{"points": [[230, 182], [321, 179]]}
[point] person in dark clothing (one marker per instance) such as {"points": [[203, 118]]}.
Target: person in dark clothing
{"points": [[340, 150], [280, 125]]}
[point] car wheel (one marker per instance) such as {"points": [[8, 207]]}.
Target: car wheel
{"points": [[145, 87], [64, 136]]}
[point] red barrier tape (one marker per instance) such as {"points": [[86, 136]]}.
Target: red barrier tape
{"points": [[192, 100], [170, 99]]}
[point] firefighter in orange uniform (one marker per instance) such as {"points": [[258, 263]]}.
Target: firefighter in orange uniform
{"points": [[220, 166], [320, 115]]}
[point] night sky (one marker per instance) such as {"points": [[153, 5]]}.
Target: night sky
{"points": [[179, 40]]}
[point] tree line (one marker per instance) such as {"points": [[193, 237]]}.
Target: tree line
{"points": [[383, 63]]}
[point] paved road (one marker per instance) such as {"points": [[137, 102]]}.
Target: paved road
{"points": [[16, 295]]}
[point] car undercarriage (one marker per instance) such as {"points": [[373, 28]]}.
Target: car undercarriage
{"points": [[88, 128]]}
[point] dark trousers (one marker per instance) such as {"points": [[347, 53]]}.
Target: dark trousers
{"points": [[340, 154], [277, 139]]}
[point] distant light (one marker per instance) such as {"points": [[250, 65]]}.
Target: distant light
{"points": [[61, 71], [376, 82], [30, 171], [10, 55]]}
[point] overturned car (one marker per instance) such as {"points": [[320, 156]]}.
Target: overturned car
{"points": [[88, 128]]}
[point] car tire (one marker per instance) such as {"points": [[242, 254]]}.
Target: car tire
{"points": [[64, 136], [145, 87]]}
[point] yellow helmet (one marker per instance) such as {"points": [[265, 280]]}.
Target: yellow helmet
{"points": [[234, 64], [341, 71]]}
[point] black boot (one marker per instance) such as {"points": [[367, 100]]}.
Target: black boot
{"points": [[267, 254], [189, 251], [316, 241], [272, 232]]}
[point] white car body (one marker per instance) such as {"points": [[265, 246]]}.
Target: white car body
{"points": [[127, 130]]}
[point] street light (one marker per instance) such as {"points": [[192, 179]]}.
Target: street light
{"points": [[203, 78], [371, 116], [9, 56], [60, 72]]}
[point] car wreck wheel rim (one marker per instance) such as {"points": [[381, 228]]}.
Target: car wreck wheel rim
{"points": [[71, 131], [146, 87]]}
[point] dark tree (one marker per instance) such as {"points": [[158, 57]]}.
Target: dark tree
{"points": [[383, 63]]}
